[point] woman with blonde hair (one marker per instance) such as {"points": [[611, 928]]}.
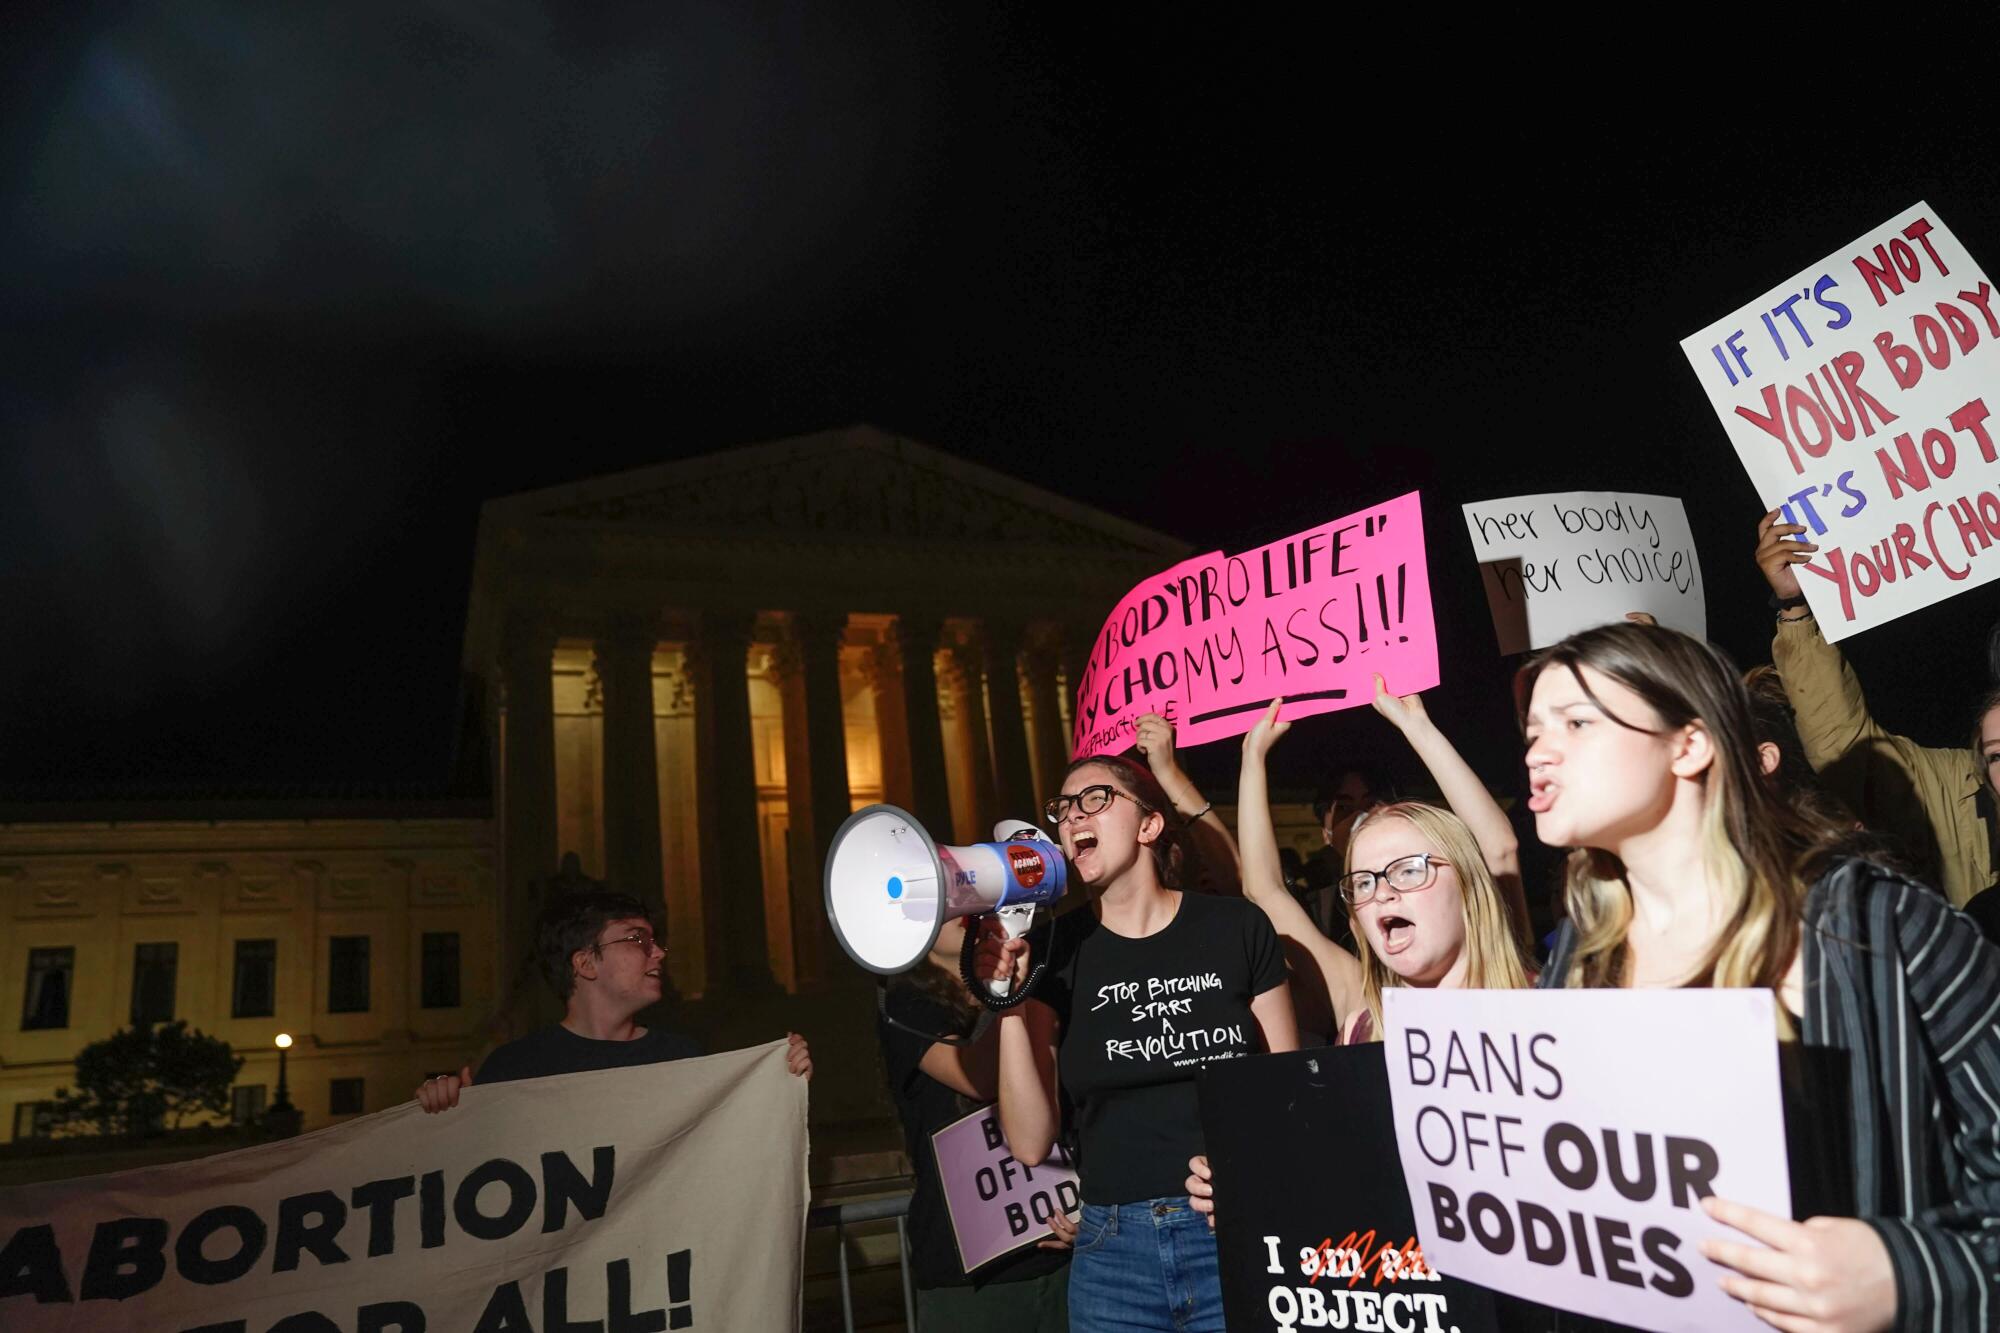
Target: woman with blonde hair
{"points": [[1691, 870]]}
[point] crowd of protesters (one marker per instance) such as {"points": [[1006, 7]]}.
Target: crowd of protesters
{"points": [[1720, 829]]}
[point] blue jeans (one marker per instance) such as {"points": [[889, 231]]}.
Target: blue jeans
{"points": [[1144, 1266]]}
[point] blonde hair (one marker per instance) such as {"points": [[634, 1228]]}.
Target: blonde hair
{"points": [[1493, 957], [1753, 846]]}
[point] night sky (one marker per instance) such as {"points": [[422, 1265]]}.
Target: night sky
{"points": [[289, 290]]}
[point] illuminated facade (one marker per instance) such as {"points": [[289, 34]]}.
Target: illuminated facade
{"points": [[693, 673]]}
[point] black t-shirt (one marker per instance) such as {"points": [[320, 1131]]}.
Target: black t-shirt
{"points": [[1139, 1018], [926, 1106], [557, 1050]]}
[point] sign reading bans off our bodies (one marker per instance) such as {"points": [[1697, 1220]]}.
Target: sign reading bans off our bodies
{"points": [[1556, 564], [1557, 1143], [1209, 643], [656, 1198], [1857, 395]]}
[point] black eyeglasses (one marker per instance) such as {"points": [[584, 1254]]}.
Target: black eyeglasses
{"points": [[1405, 874], [1092, 800], [645, 943]]}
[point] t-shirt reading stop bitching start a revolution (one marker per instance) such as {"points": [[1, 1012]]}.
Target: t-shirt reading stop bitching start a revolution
{"points": [[1140, 1017]]}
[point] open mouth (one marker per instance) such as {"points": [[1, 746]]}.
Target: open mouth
{"points": [[1080, 842], [1542, 795], [1397, 932]]}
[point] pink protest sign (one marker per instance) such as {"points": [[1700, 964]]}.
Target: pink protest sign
{"points": [[996, 1204], [1209, 643]]}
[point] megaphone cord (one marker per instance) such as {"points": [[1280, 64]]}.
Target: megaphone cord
{"points": [[969, 951]]}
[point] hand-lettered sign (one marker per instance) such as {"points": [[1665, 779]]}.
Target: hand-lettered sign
{"points": [[997, 1205], [1312, 1221], [1556, 564], [1557, 1143], [1855, 394], [1209, 643]]}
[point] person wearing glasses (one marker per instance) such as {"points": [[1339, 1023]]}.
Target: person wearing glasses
{"points": [[1141, 989], [604, 959]]}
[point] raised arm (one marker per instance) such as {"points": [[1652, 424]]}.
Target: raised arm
{"points": [[1824, 693], [1264, 875], [1465, 794], [1203, 833], [1030, 1115]]}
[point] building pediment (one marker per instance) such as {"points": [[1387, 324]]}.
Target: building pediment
{"points": [[860, 484]]}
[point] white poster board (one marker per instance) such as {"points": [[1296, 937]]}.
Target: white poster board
{"points": [[1556, 564], [668, 1196], [1854, 393], [1556, 1143]]}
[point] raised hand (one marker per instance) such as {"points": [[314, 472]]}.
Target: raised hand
{"points": [[1403, 711], [1777, 553], [1155, 740], [1257, 741]]}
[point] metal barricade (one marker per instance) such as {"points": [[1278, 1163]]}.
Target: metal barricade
{"points": [[840, 1216]]}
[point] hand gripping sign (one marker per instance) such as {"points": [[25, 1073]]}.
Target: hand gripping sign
{"points": [[1209, 643]]}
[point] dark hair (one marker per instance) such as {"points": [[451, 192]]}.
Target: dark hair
{"points": [[1373, 776], [1137, 781], [573, 921], [1794, 779]]}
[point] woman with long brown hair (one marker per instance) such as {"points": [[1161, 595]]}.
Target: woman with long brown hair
{"points": [[1690, 869]]}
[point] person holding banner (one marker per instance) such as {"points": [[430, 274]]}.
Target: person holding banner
{"points": [[934, 1083], [1691, 870], [600, 954], [1142, 988], [1926, 797]]}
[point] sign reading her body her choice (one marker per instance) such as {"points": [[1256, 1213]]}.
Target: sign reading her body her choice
{"points": [[1556, 564], [661, 1197], [1855, 394], [1557, 1143], [1313, 1224], [1209, 643], [996, 1204]]}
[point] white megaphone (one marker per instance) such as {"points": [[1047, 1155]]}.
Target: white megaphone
{"points": [[890, 889]]}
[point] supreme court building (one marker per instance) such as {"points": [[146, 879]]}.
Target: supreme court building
{"points": [[690, 674]]}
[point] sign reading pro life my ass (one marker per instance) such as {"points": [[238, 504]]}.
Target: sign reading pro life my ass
{"points": [[1209, 643], [660, 1197], [1557, 1143], [1557, 564], [1856, 394]]}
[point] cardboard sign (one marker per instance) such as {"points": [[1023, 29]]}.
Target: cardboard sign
{"points": [[668, 1196], [1557, 1142], [1556, 564], [1855, 394], [1209, 643], [1313, 1224], [996, 1204]]}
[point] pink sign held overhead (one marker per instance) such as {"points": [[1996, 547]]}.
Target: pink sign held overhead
{"points": [[1209, 643]]}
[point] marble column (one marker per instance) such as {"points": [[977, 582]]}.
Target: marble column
{"points": [[732, 869], [1073, 652], [819, 640], [631, 764], [529, 792], [916, 642], [885, 679], [1013, 778], [1050, 746], [966, 657]]}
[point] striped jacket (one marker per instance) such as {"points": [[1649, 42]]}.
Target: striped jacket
{"points": [[1911, 991]]}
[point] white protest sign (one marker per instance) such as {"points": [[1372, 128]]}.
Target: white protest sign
{"points": [[1556, 564], [1556, 1143], [1854, 393], [996, 1204], [667, 1196]]}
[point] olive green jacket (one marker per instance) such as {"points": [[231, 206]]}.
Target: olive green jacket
{"points": [[1924, 796]]}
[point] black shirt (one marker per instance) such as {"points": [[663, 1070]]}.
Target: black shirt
{"points": [[1139, 1018], [925, 1106], [557, 1050]]}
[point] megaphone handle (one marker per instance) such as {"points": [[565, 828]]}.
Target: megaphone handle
{"points": [[967, 952], [1015, 921]]}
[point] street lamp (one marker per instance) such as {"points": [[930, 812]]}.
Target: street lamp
{"points": [[282, 1118]]}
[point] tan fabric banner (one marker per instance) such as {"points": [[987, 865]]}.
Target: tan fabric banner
{"points": [[664, 1197]]}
